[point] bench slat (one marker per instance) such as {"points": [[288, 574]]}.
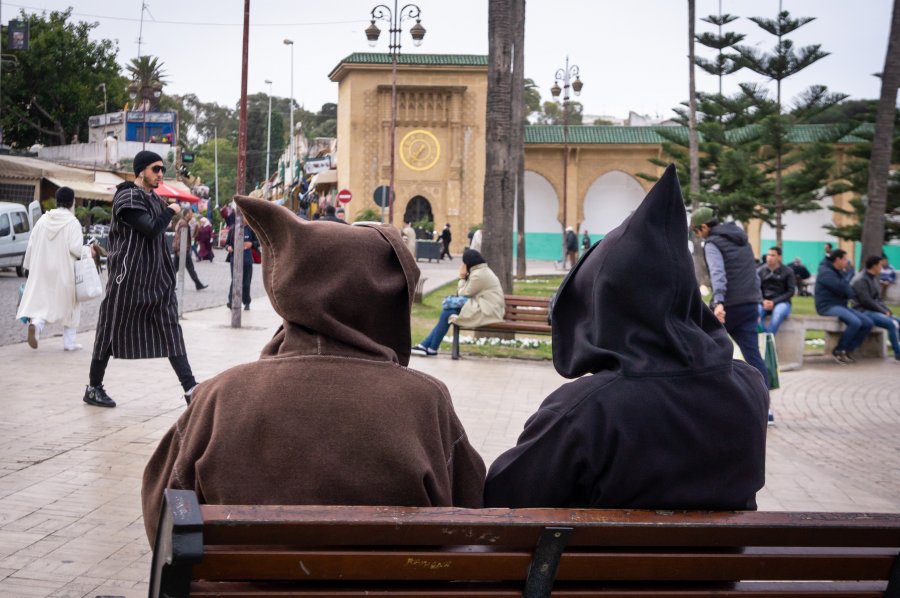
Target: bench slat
{"points": [[467, 590], [240, 564], [346, 526]]}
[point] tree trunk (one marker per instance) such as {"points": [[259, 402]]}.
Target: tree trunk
{"points": [[237, 256], [694, 147], [518, 124], [499, 172], [880, 163]]}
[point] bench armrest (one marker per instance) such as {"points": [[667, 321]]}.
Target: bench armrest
{"points": [[178, 546]]}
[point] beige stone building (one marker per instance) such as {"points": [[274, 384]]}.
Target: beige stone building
{"points": [[440, 159], [439, 165]]}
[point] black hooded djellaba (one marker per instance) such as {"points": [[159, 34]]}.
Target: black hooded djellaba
{"points": [[667, 419]]}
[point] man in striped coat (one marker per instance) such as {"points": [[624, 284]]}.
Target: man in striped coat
{"points": [[139, 315]]}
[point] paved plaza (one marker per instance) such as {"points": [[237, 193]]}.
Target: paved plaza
{"points": [[70, 474]]}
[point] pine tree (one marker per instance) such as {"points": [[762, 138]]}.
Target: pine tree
{"points": [[783, 62]]}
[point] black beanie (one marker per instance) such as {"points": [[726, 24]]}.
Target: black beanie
{"points": [[65, 197], [144, 159], [472, 258]]}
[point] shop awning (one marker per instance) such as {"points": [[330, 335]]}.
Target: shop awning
{"points": [[326, 177], [176, 190], [87, 189]]}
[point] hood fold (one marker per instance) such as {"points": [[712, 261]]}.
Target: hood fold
{"points": [[632, 303], [351, 284]]}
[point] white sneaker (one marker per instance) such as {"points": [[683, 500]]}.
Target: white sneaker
{"points": [[75, 347]]}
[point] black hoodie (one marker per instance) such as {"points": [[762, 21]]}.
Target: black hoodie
{"points": [[667, 420]]}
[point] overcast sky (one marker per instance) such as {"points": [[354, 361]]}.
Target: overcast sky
{"points": [[632, 54]]}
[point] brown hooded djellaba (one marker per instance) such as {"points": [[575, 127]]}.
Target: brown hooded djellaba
{"points": [[330, 414]]}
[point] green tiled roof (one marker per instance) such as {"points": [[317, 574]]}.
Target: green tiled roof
{"points": [[613, 134], [423, 59]]}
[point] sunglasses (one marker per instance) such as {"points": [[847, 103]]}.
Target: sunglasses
{"points": [[158, 169]]}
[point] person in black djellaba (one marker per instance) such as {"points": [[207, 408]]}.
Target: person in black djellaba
{"points": [[659, 415], [139, 315]]}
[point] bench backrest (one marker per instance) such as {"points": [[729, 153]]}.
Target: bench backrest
{"points": [[339, 551], [521, 308]]}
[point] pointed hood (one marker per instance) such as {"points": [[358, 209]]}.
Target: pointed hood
{"points": [[350, 284], [632, 303]]}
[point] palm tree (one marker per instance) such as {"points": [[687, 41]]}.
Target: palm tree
{"points": [[147, 80], [879, 166], [500, 169]]}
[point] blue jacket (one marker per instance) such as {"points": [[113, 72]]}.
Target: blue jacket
{"points": [[831, 288]]}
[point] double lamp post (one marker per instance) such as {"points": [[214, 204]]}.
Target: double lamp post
{"points": [[395, 20], [565, 76]]}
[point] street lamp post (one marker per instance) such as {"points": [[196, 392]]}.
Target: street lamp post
{"points": [[289, 42], [269, 134], [565, 76], [395, 19]]}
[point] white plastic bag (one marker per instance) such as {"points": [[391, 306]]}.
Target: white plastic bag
{"points": [[87, 280]]}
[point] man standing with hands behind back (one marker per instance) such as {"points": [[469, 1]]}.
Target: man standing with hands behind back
{"points": [[139, 315]]}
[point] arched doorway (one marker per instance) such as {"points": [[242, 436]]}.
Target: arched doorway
{"points": [[419, 209], [543, 232], [609, 201]]}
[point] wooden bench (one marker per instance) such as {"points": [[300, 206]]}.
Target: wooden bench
{"points": [[258, 551], [790, 341], [523, 314]]}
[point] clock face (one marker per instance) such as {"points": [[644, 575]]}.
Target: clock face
{"points": [[419, 150]]}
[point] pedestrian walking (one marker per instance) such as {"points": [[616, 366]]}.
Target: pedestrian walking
{"points": [[204, 240], [54, 245], [250, 243], [445, 239], [585, 242], [139, 315], [571, 247], [736, 288], [185, 223]]}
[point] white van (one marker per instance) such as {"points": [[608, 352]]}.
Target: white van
{"points": [[16, 222]]}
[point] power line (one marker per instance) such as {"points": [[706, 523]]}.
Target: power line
{"points": [[191, 23]]}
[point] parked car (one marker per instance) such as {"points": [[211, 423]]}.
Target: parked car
{"points": [[15, 228]]}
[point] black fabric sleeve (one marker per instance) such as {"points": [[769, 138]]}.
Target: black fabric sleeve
{"points": [[144, 223]]}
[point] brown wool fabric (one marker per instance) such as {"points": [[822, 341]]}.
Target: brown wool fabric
{"points": [[329, 414], [351, 270]]}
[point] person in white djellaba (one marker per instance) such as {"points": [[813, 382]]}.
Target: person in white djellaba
{"points": [[54, 246]]}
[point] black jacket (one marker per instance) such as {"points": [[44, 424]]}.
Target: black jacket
{"points": [[777, 285], [740, 265], [667, 420]]}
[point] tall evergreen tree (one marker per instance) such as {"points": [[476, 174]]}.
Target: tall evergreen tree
{"points": [[779, 64], [725, 63]]}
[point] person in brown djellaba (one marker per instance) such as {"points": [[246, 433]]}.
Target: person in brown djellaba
{"points": [[329, 414]]}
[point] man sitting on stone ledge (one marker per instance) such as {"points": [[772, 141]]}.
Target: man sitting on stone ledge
{"points": [[831, 296], [660, 416], [329, 414]]}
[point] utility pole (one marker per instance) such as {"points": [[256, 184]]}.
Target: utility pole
{"points": [[290, 43], [269, 134], [237, 257]]}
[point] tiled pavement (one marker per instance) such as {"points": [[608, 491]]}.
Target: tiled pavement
{"points": [[70, 519]]}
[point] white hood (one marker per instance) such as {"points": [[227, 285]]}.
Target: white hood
{"points": [[56, 220]]}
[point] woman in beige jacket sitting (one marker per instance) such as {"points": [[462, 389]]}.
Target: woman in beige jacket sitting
{"points": [[479, 302]]}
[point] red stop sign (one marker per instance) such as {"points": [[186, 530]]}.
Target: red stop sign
{"points": [[344, 196]]}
